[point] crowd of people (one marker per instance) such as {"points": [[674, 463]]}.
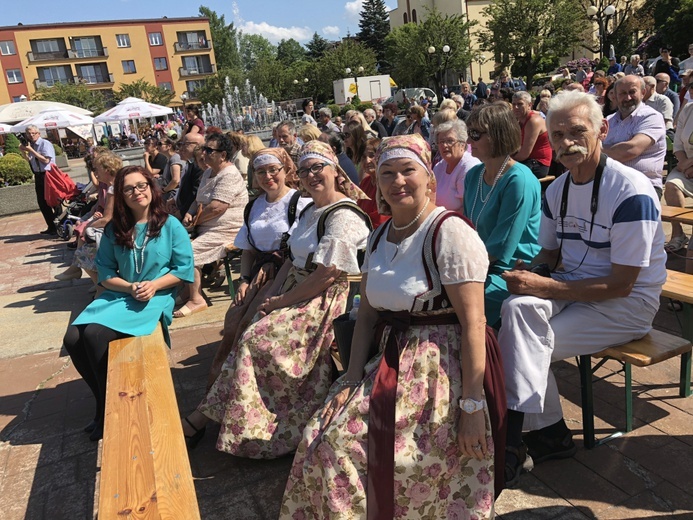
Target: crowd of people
{"points": [[470, 287]]}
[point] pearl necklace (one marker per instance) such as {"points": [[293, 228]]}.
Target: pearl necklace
{"points": [[480, 193], [139, 251], [417, 217]]}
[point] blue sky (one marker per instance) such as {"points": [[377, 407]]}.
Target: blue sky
{"points": [[274, 19]]}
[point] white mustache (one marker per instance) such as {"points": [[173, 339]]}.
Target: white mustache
{"points": [[572, 149]]}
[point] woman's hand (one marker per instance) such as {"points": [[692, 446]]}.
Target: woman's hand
{"points": [[97, 215], [335, 405], [269, 305], [240, 293], [187, 220], [143, 291], [471, 435]]}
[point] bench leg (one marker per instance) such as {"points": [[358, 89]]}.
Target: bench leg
{"points": [[685, 378], [627, 372], [227, 267], [585, 363]]}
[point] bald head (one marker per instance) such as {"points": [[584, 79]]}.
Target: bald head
{"points": [[188, 144], [663, 80]]}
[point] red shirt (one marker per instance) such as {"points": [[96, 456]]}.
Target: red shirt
{"points": [[542, 148], [371, 206]]}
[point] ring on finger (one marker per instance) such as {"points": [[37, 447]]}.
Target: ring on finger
{"points": [[476, 447]]}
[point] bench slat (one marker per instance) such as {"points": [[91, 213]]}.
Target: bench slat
{"points": [[679, 286], [655, 347], [677, 214]]}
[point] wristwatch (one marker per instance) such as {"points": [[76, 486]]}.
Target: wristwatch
{"points": [[470, 405]]}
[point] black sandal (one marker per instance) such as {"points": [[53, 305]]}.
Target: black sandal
{"points": [[192, 441], [675, 305], [517, 461]]}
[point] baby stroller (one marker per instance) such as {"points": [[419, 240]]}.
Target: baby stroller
{"points": [[71, 211]]}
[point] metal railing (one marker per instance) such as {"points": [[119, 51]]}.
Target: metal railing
{"points": [[47, 56], [192, 46], [199, 71], [88, 53]]}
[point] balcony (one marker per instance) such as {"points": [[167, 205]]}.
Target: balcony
{"points": [[47, 56], [187, 47], [50, 82], [87, 53], [192, 95], [199, 71], [95, 80]]}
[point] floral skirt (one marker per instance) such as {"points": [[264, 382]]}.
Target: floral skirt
{"points": [[432, 477], [276, 377]]}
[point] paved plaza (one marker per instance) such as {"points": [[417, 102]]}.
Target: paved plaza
{"points": [[50, 470]]}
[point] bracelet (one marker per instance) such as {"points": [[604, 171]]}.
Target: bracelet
{"points": [[245, 279], [352, 384]]}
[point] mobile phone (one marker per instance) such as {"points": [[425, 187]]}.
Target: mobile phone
{"points": [[541, 270]]}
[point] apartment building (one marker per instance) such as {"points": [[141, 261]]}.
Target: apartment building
{"points": [[173, 53]]}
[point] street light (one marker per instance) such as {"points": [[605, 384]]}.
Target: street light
{"points": [[358, 71], [22, 98], [602, 18], [184, 98], [442, 69]]}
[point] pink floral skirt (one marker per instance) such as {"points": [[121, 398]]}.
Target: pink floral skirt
{"points": [[432, 477]]}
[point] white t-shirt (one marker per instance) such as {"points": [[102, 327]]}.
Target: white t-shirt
{"points": [[268, 222], [345, 233], [396, 274], [627, 229], [450, 187]]}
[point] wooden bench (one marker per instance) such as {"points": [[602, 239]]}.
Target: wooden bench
{"points": [[232, 252], [677, 214], [654, 348], [145, 472]]}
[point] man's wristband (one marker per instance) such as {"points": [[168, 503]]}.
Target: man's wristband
{"points": [[245, 279]]}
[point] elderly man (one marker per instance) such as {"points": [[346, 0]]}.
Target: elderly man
{"points": [[40, 154], [634, 68], [614, 67], [601, 223], [326, 124], [637, 136], [659, 102], [190, 175], [376, 125], [287, 139], [687, 64], [467, 96], [662, 87]]}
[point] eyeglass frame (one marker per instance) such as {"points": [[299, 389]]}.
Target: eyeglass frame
{"points": [[271, 173], [129, 191], [208, 150], [474, 134], [448, 142], [315, 169]]}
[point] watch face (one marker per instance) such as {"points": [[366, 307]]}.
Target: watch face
{"points": [[468, 406]]}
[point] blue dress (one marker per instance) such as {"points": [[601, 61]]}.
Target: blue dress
{"points": [[169, 253], [508, 224]]}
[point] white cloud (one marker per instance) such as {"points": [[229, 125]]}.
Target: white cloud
{"points": [[331, 30], [274, 33], [353, 10]]}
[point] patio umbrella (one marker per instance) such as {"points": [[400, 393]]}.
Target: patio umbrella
{"points": [[132, 108], [14, 112], [53, 119], [5, 129]]}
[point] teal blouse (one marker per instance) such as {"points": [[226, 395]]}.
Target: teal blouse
{"points": [[169, 253]]}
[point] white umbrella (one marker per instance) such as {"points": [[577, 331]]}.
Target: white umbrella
{"points": [[53, 119], [5, 129], [132, 108], [14, 112]]}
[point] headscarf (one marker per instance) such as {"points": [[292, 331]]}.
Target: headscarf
{"points": [[412, 146], [323, 152], [280, 156]]}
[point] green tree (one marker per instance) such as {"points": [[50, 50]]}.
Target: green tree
{"points": [[255, 48], [374, 26], [76, 94], [528, 30], [224, 40], [619, 29], [669, 23], [317, 47], [213, 90], [144, 90], [290, 51], [332, 66], [408, 50]]}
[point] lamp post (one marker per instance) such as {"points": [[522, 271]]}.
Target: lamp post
{"points": [[356, 72], [442, 68], [22, 98], [602, 17], [184, 98]]}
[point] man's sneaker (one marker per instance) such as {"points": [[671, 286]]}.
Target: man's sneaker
{"points": [[517, 462], [542, 448]]}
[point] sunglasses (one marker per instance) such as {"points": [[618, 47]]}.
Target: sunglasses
{"points": [[207, 149], [315, 169], [475, 134]]}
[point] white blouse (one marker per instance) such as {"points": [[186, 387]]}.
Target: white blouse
{"points": [[268, 222], [396, 274], [345, 233]]}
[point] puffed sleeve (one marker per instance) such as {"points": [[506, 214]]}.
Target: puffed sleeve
{"points": [[345, 233], [462, 256], [106, 262], [181, 264]]}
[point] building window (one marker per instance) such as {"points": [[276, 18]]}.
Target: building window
{"points": [[123, 40], [405, 18], [166, 85], [160, 64], [155, 39], [7, 48], [413, 15], [47, 46], [17, 99], [129, 66], [87, 47], [14, 76]]}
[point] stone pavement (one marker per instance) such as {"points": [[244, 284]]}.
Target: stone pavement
{"points": [[49, 469]]}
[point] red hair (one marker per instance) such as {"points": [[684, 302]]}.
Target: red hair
{"points": [[123, 220]]}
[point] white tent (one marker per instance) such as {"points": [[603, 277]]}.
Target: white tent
{"points": [[14, 112], [5, 129], [132, 108], [53, 119]]}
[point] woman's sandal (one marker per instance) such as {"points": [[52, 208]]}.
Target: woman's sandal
{"points": [[675, 305], [518, 462], [186, 311], [193, 440], [676, 244]]}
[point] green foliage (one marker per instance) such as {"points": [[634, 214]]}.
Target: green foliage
{"points": [[317, 47], [14, 170], [76, 94], [11, 144], [255, 48], [531, 30], [224, 44], [603, 64], [675, 29], [213, 89], [290, 51], [336, 109], [144, 90], [332, 66], [58, 149], [407, 49], [346, 108], [374, 26], [363, 106]]}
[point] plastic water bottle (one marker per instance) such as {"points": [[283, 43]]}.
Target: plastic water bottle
{"points": [[355, 307]]}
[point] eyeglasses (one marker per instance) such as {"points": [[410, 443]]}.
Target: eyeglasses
{"points": [[272, 172], [475, 134], [130, 190], [159, 144], [207, 149], [448, 142], [315, 169], [186, 143]]}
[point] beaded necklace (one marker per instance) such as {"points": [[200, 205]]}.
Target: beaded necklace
{"points": [[479, 190], [138, 251]]}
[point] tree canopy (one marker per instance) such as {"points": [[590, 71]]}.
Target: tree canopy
{"points": [[374, 26], [76, 94], [317, 46], [349, 54], [144, 90], [224, 40], [290, 51]]}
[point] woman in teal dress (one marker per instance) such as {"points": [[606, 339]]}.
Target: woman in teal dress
{"points": [[501, 198], [142, 258]]}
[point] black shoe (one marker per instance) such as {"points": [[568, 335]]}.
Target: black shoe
{"points": [[192, 441], [49, 231], [90, 427], [517, 461], [542, 448], [72, 245]]}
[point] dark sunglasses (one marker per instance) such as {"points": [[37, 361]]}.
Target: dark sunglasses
{"points": [[475, 134], [207, 149]]}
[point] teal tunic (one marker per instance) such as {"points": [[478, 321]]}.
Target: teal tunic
{"points": [[169, 253], [508, 224]]}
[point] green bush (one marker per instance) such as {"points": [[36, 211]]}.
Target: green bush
{"points": [[11, 144], [14, 170], [363, 106], [336, 109], [58, 150], [346, 108]]}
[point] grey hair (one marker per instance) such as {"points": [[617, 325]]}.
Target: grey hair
{"points": [[325, 111], [523, 95], [377, 107], [369, 112], [634, 57], [33, 128], [457, 125], [569, 100], [624, 79], [650, 80], [448, 103]]}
